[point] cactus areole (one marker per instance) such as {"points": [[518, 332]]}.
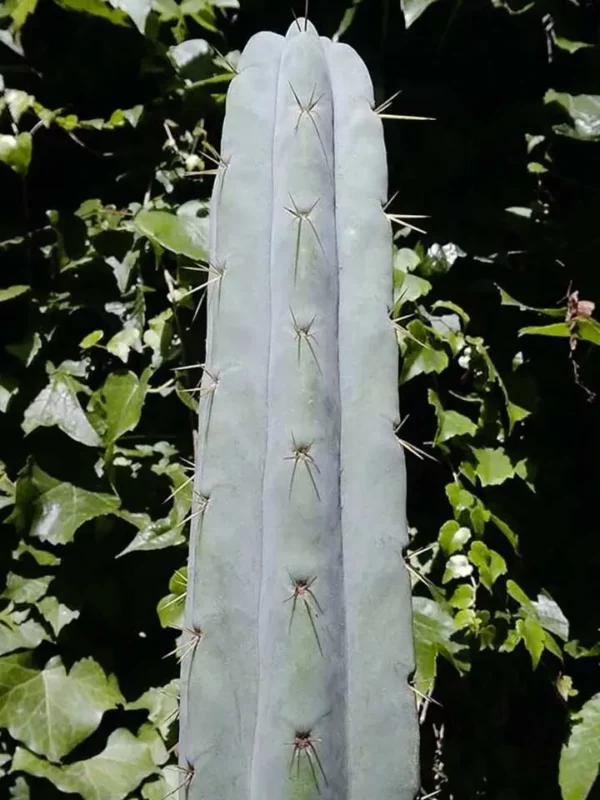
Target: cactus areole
{"points": [[298, 639]]}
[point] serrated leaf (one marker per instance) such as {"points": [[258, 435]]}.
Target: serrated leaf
{"points": [[493, 466], [534, 638], [424, 353], [56, 614], [162, 704], [489, 563], [63, 509], [18, 632], [111, 775], [25, 590], [122, 342], [450, 423], [433, 630], [580, 756], [153, 534], [13, 291], [49, 710], [15, 151], [57, 404], [116, 407], [184, 234]]}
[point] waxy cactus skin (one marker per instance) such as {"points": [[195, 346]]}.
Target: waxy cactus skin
{"points": [[298, 617]]}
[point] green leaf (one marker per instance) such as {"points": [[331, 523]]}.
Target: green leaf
{"points": [[116, 407], [589, 330], [412, 10], [20, 790], [13, 291], [63, 509], [569, 45], [580, 756], [557, 329], [463, 597], [584, 113], [8, 389], [534, 638], [347, 20], [507, 300], [457, 566], [111, 775], [452, 537], [170, 608], [49, 710], [15, 151], [96, 8], [551, 617], [424, 353], [18, 632], [58, 405], [182, 233], [122, 342], [153, 534], [493, 466], [433, 629], [450, 423], [25, 590], [489, 563], [162, 704], [56, 614], [21, 9], [138, 10], [507, 531], [91, 339]]}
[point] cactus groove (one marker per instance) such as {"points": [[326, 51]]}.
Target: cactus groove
{"points": [[295, 675]]}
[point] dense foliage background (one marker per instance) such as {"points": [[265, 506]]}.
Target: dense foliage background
{"points": [[110, 114]]}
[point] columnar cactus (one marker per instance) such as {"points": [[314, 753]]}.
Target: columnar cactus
{"points": [[298, 624]]}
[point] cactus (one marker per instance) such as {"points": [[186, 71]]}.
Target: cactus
{"points": [[298, 621]]}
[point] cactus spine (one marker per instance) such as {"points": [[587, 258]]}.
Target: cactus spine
{"points": [[295, 675]]}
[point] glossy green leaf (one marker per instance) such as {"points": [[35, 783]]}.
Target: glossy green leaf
{"points": [[452, 537], [450, 423], [18, 632], [162, 705], [184, 234], [49, 710], [56, 613], [433, 629], [116, 407], [58, 405], [25, 590], [15, 151], [138, 10], [111, 775], [63, 509], [534, 638], [507, 300], [584, 113], [556, 329], [580, 756], [489, 563]]}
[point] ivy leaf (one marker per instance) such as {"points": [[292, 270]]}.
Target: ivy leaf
{"points": [[457, 566], [18, 632], [507, 300], [57, 404], [49, 710], [580, 756], [489, 563], [138, 10], [153, 534], [162, 705], [170, 608], [584, 113], [111, 775], [452, 537], [116, 407], [182, 233], [493, 466], [534, 638], [424, 353], [63, 509], [122, 342], [556, 329], [13, 291], [192, 59], [15, 151], [56, 614], [25, 590], [433, 629], [20, 790], [450, 423]]}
